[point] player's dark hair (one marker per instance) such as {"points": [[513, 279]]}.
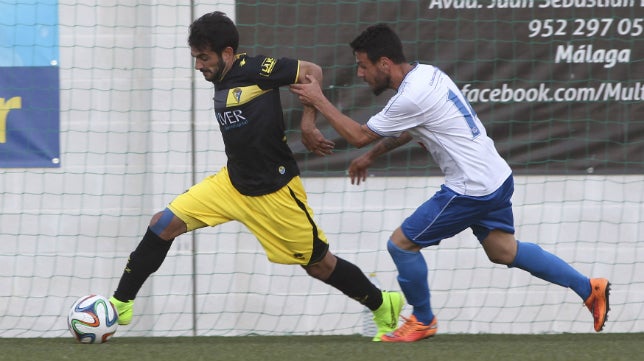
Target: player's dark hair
{"points": [[214, 31], [378, 41]]}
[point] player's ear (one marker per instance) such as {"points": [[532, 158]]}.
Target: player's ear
{"points": [[228, 54], [384, 63]]}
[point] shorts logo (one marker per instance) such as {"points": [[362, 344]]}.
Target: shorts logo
{"points": [[267, 66], [281, 169], [298, 255]]}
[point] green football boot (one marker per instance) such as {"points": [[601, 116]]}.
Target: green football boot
{"points": [[386, 316], [124, 310]]}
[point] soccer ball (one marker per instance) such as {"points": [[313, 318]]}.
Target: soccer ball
{"points": [[92, 319]]}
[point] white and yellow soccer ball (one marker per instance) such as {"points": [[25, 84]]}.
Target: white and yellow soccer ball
{"points": [[92, 319]]}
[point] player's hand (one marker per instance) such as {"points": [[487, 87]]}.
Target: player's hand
{"points": [[308, 93], [358, 169], [315, 141]]}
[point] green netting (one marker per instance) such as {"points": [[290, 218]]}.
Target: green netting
{"points": [[136, 128]]}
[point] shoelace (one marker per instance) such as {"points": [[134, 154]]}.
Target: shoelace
{"points": [[409, 326], [591, 306]]}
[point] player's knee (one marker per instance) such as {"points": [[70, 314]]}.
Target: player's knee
{"points": [[164, 225], [400, 241], [316, 271], [500, 249], [501, 258], [322, 270]]}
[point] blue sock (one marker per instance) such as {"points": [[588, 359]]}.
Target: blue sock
{"points": [[412, 278], [545, 265]]}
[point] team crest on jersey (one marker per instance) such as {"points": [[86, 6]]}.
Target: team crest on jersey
{"points": [[237, 93], [267, 66]]}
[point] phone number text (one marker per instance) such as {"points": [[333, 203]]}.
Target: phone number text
{"points": [[546, 28]]}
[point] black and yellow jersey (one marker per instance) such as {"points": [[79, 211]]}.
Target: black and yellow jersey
{"points": [[250, 116]]}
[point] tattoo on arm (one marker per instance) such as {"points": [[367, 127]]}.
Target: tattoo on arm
{"points": [[387, 144], [391, 143]]}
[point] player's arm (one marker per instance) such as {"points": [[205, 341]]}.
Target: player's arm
{"points": [[355, 133], [358, 167], [308, 69], [312, 138]]}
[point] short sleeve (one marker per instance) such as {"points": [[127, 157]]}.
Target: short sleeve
{"points": [[399, 115], [270, 73]]}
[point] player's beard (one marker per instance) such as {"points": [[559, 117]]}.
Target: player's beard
{"points": [[381, 83], [216, 76]]}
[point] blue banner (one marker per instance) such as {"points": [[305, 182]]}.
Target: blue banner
{"points": [[29, 84], [29, 117], [29, 33]]}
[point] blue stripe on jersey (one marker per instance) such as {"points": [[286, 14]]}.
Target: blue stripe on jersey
{"points": [[467, 112]]}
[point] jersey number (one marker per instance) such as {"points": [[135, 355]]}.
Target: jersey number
{"points": [[467, 112]]}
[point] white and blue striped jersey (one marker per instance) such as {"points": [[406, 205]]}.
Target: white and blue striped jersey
{"points": [[430, 107]]}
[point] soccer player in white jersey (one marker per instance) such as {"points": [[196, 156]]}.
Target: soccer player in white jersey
{"points": [[430, 109]]}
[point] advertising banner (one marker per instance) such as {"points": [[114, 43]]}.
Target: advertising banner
{"points": [[29, 84], [558, 84]]}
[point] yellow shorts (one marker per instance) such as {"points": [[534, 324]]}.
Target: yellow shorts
{"points": [[282, 221]]}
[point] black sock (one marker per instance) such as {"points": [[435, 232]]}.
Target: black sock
{"points": [[145, 260], [350, 280]]}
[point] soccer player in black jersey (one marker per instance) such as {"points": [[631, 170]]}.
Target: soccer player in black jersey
{"points": [[260, 185]]}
